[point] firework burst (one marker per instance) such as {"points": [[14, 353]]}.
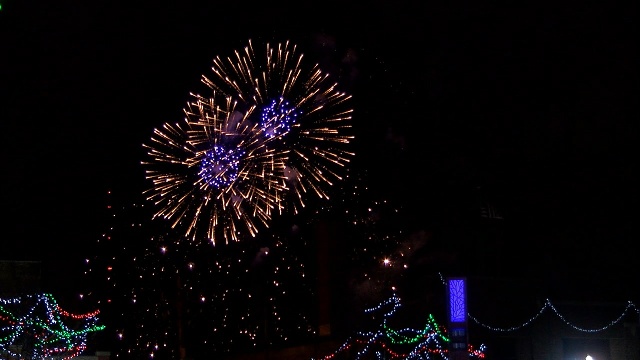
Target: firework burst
{"points": [[213, 171], [298, 106], [268, 133]]}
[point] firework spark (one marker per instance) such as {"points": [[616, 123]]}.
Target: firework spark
{"points": [[268, 133]]}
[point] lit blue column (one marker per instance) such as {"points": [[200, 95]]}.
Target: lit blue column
{"points": [[458, 334]]}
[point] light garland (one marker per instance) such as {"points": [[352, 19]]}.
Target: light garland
{"points": [[406, 344], [35, 327], [548, 305]]}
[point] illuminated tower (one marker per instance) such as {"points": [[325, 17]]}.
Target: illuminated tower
{"points": [[458, 330]]}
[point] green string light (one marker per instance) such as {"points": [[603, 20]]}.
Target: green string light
{"points": [[48, 329]]}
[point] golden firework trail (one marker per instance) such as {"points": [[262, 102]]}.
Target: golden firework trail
{"points": [[267, 134]]}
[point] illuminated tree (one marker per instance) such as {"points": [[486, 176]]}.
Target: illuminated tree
{"points": [[383, 341], [36, 327]]}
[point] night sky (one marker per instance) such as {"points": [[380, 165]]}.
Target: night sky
{"points": [[527, 110]]}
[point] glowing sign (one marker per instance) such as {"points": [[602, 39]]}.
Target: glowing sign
{"points": [[457, 301]]}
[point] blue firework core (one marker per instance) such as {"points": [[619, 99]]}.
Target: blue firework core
{"points": [[276, 119], [219, 167]]}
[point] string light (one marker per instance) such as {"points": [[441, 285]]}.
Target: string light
{"points": [[548, 305], [35, 327], [427, 343]]}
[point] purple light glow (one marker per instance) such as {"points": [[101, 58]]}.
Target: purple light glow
{"points": [[457, 301]]}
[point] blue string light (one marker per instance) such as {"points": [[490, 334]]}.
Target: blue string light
{"points": [[548, 305]]}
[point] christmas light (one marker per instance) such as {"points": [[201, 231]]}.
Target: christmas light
{"points": [[548, 305], [35, 327], [406, 344]]}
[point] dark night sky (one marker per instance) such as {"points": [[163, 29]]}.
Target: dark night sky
{"points": [[532, 106]]}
